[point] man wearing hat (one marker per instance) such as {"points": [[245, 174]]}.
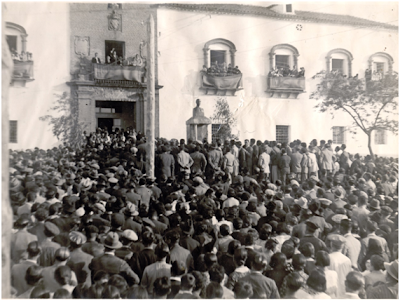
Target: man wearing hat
{"points": [[145, 193], [110, 263], [166, 163], [385, 215], [311, 236], [390, 289], [21, 239], [48, 246], [79, 261], [339, 262], [130, 223]]}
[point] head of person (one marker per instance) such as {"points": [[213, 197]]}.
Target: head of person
{"points": [[161, 250], [62, 293], [240, 256], [243, 290], [322, 259], [294, 282], [307, 250], [137, 292], [259, 263], [299, 262], [200, 281], [188, 282], [278, 261], [214, 290], [162, 287], [354, 282], [63, 275], [377, 262], [33, 275], [33, 249], [317, 281]]}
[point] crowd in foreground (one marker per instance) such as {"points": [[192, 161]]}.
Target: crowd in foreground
{"points": [[221, 220]]}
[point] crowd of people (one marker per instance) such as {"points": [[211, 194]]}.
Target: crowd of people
{"points": [[285, 71], [221, 69], [219, 220]]}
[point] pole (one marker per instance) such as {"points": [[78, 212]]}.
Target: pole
{"points": [[150, 112], [7, 216]]}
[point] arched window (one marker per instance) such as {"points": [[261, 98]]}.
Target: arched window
{"points": [[283, 56], [339, 60], [381, 62], [16, 37], [220, 50]]}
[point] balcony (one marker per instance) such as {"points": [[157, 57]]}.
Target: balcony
{"points": [[221, 84], [286, 87], [116, 75], [23, 72]]}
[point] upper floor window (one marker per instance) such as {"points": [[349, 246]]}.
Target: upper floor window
{"points": [[379, 65], [283, 59], [114, 5], [219, 51], [289, 8], [282, 134], [339, 61], [16, 40], [114, 50], [380, 137], [338, 133], [13, 131]]}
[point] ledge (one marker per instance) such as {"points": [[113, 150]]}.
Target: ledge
{"points": [[286, 87], [221, 85]]}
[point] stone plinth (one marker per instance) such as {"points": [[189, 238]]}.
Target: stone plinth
{"points": [[197, 128]]}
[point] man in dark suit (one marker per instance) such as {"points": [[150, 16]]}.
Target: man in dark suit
{"points": [[166, 163], [284, 166], [145, 193], [110, 263], [295, 165], [263, 287], [96, 59]]}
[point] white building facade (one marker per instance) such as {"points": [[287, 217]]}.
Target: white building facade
{"points": [[257, 38], [254, 38]]}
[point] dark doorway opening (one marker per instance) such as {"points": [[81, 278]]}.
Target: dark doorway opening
{"points": [[105, 123]]}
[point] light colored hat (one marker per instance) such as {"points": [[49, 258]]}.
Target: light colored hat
{"points": [[337, 218], [112, 241], [100, 207], [131, 209], [324, 201], [77, 237], [130, 234], [113, 180], [392, 269]]}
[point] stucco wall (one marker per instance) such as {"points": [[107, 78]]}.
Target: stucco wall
{"points": [[182, 36], [47, 27]]}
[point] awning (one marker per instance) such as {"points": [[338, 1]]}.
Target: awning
{"points": [[114, 72]]}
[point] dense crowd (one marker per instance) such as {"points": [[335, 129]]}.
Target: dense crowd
{"points": [[222, 220]]}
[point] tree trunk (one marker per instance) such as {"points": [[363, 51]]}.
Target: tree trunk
{"points": [[371, 152]]}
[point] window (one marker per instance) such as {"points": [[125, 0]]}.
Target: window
{"points": [[12, 42], [282, 133], [217, 55], [13, 131], [380, 67], [220, 50], [118, 46], [108, 107], [288, 8], [380, 137], [215, 128], [337, 65], [281, 61], [114, 6], [338, 134]]}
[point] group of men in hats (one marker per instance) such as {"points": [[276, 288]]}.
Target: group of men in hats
{"points": [[221, 220]]}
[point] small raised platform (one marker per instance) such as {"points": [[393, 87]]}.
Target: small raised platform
{"points": [[286, 87], [221, 85]]}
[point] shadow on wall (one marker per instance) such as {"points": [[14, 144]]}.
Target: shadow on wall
{"points": [[191, 84], [257, 85]]}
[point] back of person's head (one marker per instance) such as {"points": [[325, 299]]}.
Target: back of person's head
{"points": [[162, 286], [41, 214], [214, 290], [249, 239], [265, 231], [62, 293], [288, 249], [33, 249], [111, 292], [188, 282], [62, 254], [299, 261], [240, 256], [101, 276], [294, 281], [317, 281], [259, 262], [39, 292], [219, 214], [243, 290], [63, 275], [278, 260], [307, 249], [33, 274], [237, 223], [354, 281], [178, 268], [271, 244], [119, 282], [148, 238], [224, 230], [233, 245], [161, 250], [377, 262], [217, 273]]}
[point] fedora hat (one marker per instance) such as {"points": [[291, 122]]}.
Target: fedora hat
{"points": [[112, 241], [130, 210], [374, 204], [393, 269]]}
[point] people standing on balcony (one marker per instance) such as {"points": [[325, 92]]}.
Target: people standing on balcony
{"points": [[96, 59]]}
